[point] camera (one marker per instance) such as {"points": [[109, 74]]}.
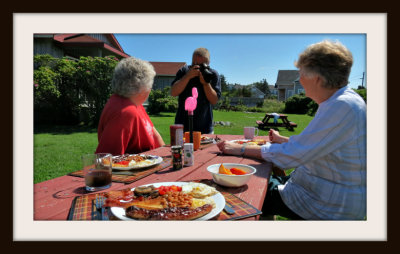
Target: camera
{"points": [[206, 72]]}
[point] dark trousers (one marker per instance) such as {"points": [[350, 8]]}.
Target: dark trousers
{"points": [[273, 204]]}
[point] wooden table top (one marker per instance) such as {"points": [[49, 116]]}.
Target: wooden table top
{"points": [[53, 198]]}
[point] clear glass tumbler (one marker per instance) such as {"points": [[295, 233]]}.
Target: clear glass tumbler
{"points": [[97, 169]]}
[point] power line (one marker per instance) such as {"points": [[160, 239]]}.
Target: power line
{"points": [[362, 80]]}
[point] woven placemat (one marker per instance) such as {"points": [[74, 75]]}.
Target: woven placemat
{"points": [[133, 175], [241, 207], [83, 208], [204, 146]]}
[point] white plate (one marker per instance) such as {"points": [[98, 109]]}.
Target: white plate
{"points": [[244, 140], [219, 200], [157, 160]]}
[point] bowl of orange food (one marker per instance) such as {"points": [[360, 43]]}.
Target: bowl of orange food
{"points": [[231, 174]]}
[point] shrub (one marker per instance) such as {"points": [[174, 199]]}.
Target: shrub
{"points": [[272, 105], [240, 107], [300, 104], [63, 87], [161, 101], [68, 86], [362, 93], [255, 109], [94, 76], [44, 60], [45, 89], [260, 104], [268, 105], [45, 94], [312, 108], [273, 97], [224, 103]]}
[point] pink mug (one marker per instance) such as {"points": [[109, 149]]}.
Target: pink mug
{"points": [[249, 132]]}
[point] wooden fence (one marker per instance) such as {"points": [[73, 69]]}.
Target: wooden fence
{"points": [[247, 101]]}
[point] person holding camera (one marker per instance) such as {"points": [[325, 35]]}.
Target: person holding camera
{"points": [[208, 84]]}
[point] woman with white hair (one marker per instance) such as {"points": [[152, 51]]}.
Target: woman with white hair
{"points": [[124, 125], [329, 156]]}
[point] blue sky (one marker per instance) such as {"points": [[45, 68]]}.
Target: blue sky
{"points": [[242, 58]]}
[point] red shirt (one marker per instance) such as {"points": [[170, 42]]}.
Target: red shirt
{"points": [[124, 128]]}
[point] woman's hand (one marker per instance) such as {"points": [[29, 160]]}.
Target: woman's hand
{"points": [[230, 148], [274, 137]]}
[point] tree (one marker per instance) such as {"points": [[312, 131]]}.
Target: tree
{"points": [[263, 87], [246, 91], [224, 85]]}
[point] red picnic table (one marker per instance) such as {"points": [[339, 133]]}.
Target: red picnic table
{"points": [[56, 199], [284, 118]]}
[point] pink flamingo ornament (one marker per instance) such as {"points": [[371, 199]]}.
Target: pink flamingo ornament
{"points": [[191, 102], [190, 106]]}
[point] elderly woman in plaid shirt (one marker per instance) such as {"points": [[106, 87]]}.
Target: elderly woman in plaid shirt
{"points": [[329, 156]]}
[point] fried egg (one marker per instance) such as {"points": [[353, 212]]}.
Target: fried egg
{"points": [[133, 163], [252, 143], [197, 202], [198, 190]]}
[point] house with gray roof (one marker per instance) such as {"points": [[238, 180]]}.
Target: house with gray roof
{"points": [[256, 93], [288, 84], [273, 90]]}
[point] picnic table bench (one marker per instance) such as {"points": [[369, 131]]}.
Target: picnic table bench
{"points": [[285, 122]]}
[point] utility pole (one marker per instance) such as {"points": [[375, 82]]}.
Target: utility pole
{"points": [[362, 80]]}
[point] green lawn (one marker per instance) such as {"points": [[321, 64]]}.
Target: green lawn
{"points": [[238, 120], [57, 149]]}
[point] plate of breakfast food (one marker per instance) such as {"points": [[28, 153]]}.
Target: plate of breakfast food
{"points": [[258, 142], [135, 161], [206, 140], [168, 201]]}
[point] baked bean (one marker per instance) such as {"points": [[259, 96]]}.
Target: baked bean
{"points": [[178, 199]]}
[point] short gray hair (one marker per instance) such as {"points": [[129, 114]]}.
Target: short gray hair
{"points": [[332, 61], [131, 76]]}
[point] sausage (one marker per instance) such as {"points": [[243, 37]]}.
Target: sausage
{"points": [[170, 213]]}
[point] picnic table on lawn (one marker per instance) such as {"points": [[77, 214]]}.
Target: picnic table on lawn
{"points": [[65, 197], [285, 122]]}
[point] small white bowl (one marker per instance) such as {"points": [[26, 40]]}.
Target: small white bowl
{"points": [[231, 180]]}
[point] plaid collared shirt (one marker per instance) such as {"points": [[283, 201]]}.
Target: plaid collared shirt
{"points": [[329, 182]]}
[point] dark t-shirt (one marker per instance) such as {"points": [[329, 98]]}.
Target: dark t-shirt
{"points": [[203, 114]]}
